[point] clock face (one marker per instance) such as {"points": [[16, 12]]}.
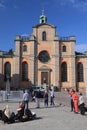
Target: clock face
{"points": [[44, 56]]}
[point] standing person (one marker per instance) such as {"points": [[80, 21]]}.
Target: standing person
{"points": [[38, 95], [52, 96], [26, 99], [71, 99], [45, 98], [75, 98], [81, 104]]}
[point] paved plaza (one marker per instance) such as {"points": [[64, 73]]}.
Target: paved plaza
{"points": [[57, 117]]}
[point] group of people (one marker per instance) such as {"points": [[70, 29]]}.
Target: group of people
{"points": [[77, 102], [23, 111], [46, 96], [23, 114], [37, 97]]}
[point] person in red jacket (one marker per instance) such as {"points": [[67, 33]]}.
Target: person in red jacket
{"points": [[75, 98]]}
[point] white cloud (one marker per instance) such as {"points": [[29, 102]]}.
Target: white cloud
{"points": [[79, 4], [81, 47], [2, 5]]}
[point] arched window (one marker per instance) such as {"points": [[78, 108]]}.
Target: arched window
{"points": [[7, 70], [63, 48], [24, 71], [80, 72], [44, 36], [25, 48], [64, 72]]}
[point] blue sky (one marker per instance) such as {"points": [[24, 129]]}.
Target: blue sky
{"points": [[17, 17]]}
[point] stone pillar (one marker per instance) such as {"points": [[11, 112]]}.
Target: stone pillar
{"points": [[72, 74], [16, 62], [55, 62], [33, 59], [72, 66]]}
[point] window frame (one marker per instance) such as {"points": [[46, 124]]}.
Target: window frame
{"points": [[80, 72], [64, 72], [44, 36], [24, 71]]}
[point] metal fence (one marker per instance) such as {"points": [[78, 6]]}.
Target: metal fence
{"points": [[12, 96]]}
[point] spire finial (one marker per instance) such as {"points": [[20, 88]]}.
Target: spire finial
{"points": [[43, 11]]}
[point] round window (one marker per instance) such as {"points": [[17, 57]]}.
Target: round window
{"points": [[44, 56]]}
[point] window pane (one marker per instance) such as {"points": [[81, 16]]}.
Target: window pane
{"points": [[44, 36], [64, 72], [24, 71], [24, 48], [7, 70], [64, 48], [80, 72]]}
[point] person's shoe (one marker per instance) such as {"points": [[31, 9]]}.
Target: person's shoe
{"points": [[76, 112]]}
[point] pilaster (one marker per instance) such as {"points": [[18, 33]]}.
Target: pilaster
{"points": [[55, 63], [16, 62]]}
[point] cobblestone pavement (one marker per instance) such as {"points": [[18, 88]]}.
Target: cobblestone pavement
{"points": [[57, 117]]}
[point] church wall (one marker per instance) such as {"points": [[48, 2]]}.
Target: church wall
{"points": [[53, 45], [82, 85]]}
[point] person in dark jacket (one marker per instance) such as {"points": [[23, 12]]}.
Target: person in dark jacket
{"points": [[20, 112], [38, 95]]}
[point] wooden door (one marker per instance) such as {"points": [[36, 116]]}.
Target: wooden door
{"points": [[44, 77]]}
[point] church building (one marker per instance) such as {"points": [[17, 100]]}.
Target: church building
{"points": [[44, 58]]}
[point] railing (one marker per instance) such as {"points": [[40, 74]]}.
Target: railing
{"points": [[25, 38], [13, 96], [67, 38], [64, 38]]}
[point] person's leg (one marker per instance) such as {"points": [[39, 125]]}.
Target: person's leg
{"points": [[44, 101], [72, 105], [47, 101], [27, 104], [51, 101], [38, 104], [76, 106]]}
